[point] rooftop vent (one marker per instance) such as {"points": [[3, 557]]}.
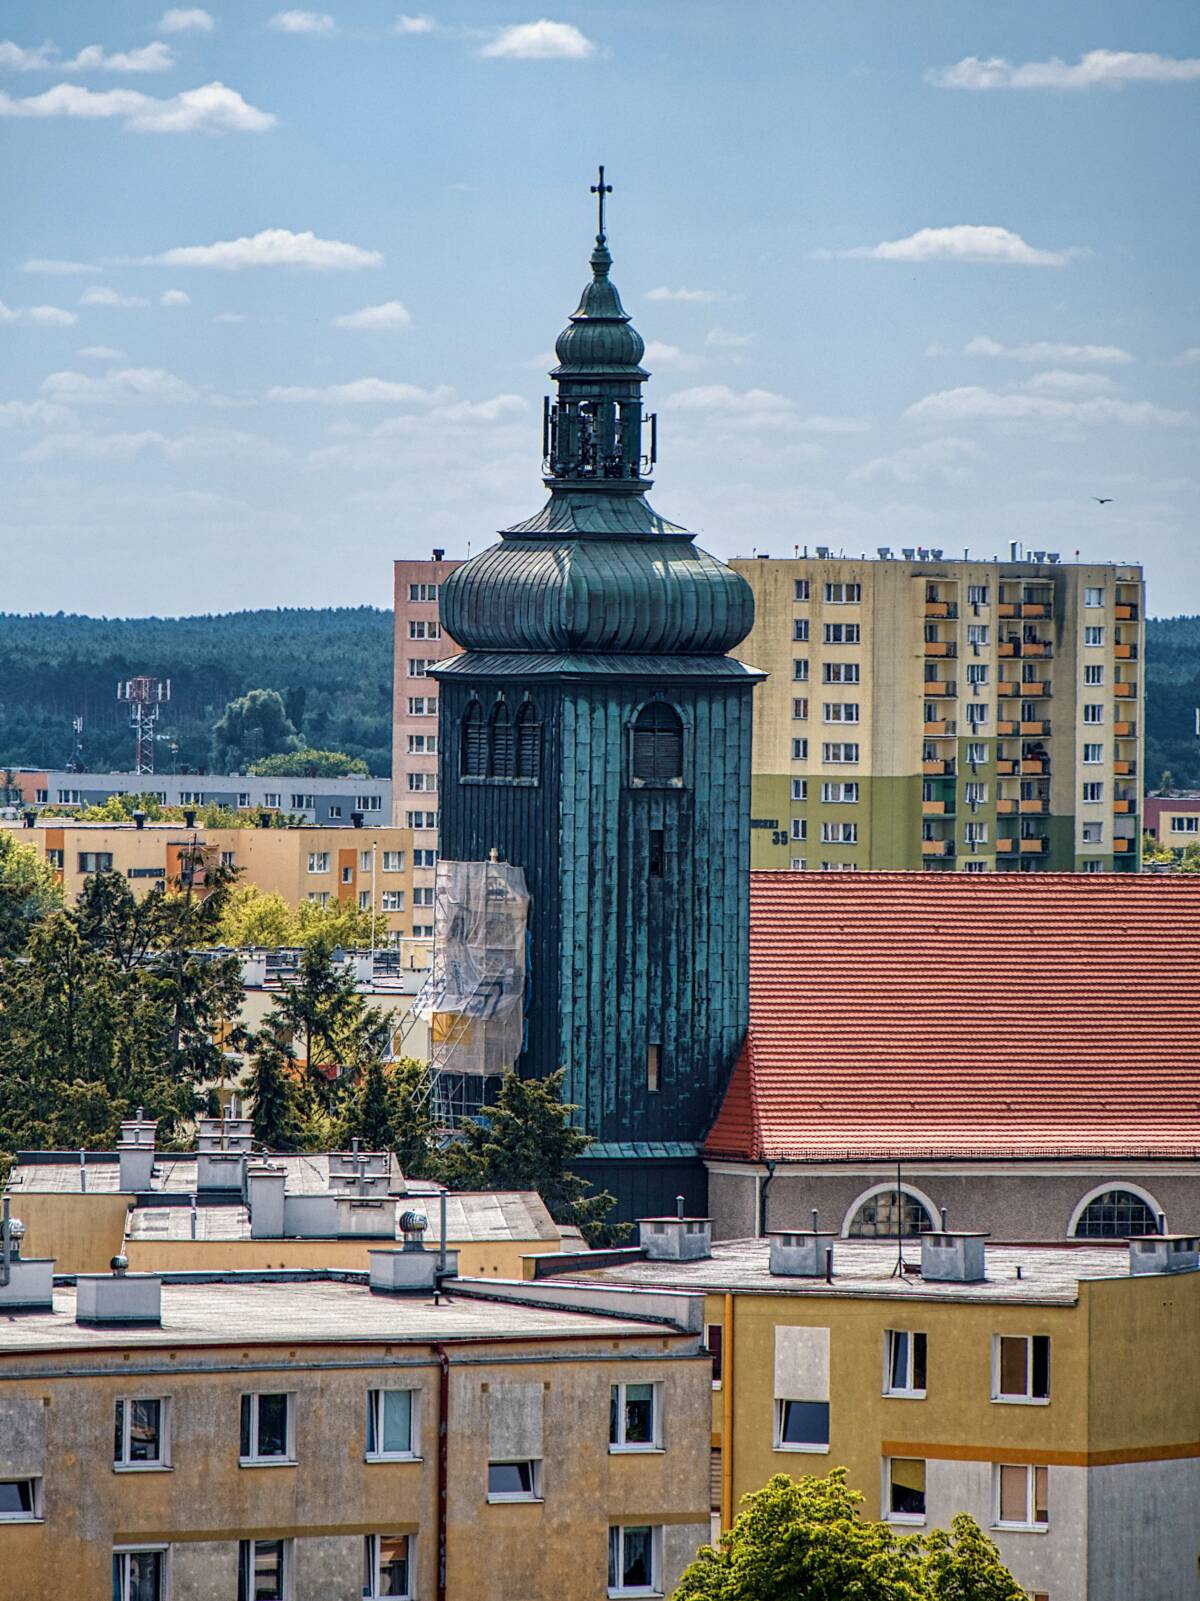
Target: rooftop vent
{"points": [[823, 552], [411, 1269], [803, 1254], [189, 817], [1163, 1253], [885, 552], [223, 1146], [1053, 556], [953, 1258], [135, 1153], [118, 1297], [356, 819], [26, 1283], [908, 552], [438, 555], [936, 555], [675, 1239]]}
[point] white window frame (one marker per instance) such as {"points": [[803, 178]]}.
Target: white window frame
{"points": [[375, 1406], [799, 829], [1029, 1526], [1095, 784], [162, 1461], [977, 752], [422, 930], [36, 1516], [800, 708], [800, 670], [977, 595], [978, 715], [393, 861], [287, 1560], [908, 1519], [1097, 759], [800, 630], [1093, 636], [1093, 673], [417, 666], [907, 1392], [839, 833], [1185, 823], [843, 633], [801, 591], [840, 673], [839, 711], [318, 861], [1093, 713], [842, 747], [833, 793], [780, 1444], [655, 1585], [153, 1549], [288, 1460], [798, 864], [1091, 834], [506, 1496], [800, 750], [371, 1563], [1093, 595], [839, 593], [302, 801], [423, 895], [391, 900], [620, 1445], [271, 798], [799, 789], [1002, 1398]]}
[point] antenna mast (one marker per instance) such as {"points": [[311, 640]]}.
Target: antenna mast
{"points": [[144, 697]]}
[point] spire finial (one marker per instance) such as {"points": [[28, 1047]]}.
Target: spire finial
{"points": [[600, 190]]}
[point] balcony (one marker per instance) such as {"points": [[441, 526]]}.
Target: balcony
{"points": [[1006, 727], [1033, 765], [937, 847], [1125, 653], [934, 768], [941, 608], [1121, 846], [1035, 808], [1007, 688], [1036, 727], [1035, 847], [1124, 808], [1006, 608], [1035, 688], [1125, 769], [1125, 612], [940, 647], [1006, 767], [1008, 647], [1006, 808], [1035, 608], [1124, 691], [1036, 648], [946, 686], [1005, 847], [940, 730], [1125, 730], [936, 808]]}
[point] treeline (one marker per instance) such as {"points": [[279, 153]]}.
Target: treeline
{"points": [[1172, 696], [333, 667]]}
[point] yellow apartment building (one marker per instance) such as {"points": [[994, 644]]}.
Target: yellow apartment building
{"points": [[952, 715]]}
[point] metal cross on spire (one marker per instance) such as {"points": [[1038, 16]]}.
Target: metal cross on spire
{"points": [[600, 190]]}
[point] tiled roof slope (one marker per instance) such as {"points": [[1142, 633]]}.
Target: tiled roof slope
{"points": [[932, 1015]]}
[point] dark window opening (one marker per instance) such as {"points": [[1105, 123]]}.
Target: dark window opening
{"points": [[654, 1068], [658, 745], [501, 749], [529, 742], [472, 743], [656, 853]]}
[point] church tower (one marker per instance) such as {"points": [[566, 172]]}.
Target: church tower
{"points": [[595, 732]]}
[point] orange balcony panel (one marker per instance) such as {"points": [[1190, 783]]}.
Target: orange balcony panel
{"points": [[1007, 648], [1120, 846], [931, 808], [937, 730], [1006, 766], [1006, 687], [935, 847], [1124, 730], [934, 767], [1124, 691], [1035, 728], [1032, 765], [1006, 728], [1006, 807], [1125, 653], [1038, 647], [1124, 807], [937, 608], [1035, 688], [1035, 609], [941, 689], [1124, 769], [1124, 612], [938, 647], [1005, 846], [1006, 609], [1033, 847], [1037, 808]]}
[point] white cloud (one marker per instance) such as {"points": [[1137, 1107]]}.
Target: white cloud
{"points": [[721, 398], [1188, 358], [190, 19], [1106, 69], [687, 296], [834, 425], [1059, 382], [949, 460], [128, 385], [230, 316], [53, 316], [541, 41], [726, 339], [365, 392], [15, 412], [174, 297], [60, 269], [391, 314], [102, 296], [1047, 350], [273, 247], [414, 25], [487, 411], [15, 58], [154, 57], [662, 353], [210, 109], [990, 405], [99, 353], [969, 242], [215, 444], [310, 22]]}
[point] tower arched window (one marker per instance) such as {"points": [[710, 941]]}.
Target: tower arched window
{"points": [[472, 742], [1116, 1214], [528, 743], [883, 1214], [501, 745], [657, 756]]}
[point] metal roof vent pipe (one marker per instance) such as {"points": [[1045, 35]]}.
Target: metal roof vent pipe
{"points": [[26, 1283], [953, 1257], [189, 818], [119, 1297], [802, 1254], [675, 1239], [139, 819], [30, 819], [411, 1269], [1163, 1253]]}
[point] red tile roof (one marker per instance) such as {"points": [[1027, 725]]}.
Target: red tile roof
{"points": [[930, 1015]]}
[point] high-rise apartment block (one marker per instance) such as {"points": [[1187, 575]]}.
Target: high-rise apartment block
{"points": [[963, 716]]}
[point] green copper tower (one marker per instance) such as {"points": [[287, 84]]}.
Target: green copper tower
{"points": [[595, 732]]}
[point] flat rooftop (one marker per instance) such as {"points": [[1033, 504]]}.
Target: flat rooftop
{"points": [[864, 1269]]}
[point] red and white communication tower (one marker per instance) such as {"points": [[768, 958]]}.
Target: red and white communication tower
{"points": [[144, 697]]}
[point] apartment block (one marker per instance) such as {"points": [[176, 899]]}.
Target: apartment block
{"points": [[329, 802], [951, 715]]}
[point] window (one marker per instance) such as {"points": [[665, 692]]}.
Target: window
{"points": [[418, 782], [1093, 597], [1094, 865], [1021, 1367], [392, 900], [977, 634], [514, 1481], [69, 797], [422, 705], [54, 858], [418, 666], [906, 1490], [800, 592], [1093, 636], [843, 594], [800, 628], [422, 744], [1185, 823], [1093, 753], [374, 803], [422, 591], [633, 1559], [714, 1338], [390, 1424], [393, 861], [799, 789], [529, 743], [839, 753], [318, 861], [262, 1570], [422, 930], [657, 745], [800, 707], [975, 867], [139, 1575], [1093, 673], [840, 673], [424, 630], [839, 867], [1093, 713], [799, 828], [977, 673], [975, 833], [243, 797], [335, 811], [843, 633], [800, 670], [633, 1417], [975, 794], [420, 858], [1021, 1500], [839, 833], [904, 1373], [20, 1500], [347, 875], [977, 753], [420, 819], [840, 711], [423, 895], [1092, 833], [303, 803], [799, 750], [977, 594], [1115, 1215], [191, 797], [1093, 791], [95, 861], [801, 1425], [321, 898], [977, 714], [41, 796], [653, 1068], [385, 1566], [798, 864], [839, 793], [139, 1434], [271, 798], [365, 862], [364, 900], [876, 1216], [266, 1429]]}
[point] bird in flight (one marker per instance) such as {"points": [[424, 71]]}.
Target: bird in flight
{"points": [[1102, 500]]}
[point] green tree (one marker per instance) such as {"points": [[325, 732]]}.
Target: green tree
{"points": [[343, 923], [307, 763], [330, 1022], [390, 1111], [28, 892], [805, 1540], [271, 1087], [525, 1141], [254, 725], [369, 1113], [256, 917]]}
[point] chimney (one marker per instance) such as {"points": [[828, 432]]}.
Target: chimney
{"points": [[223, 1148], [264, 819], [139, 819], [413, 1268], [118, 1298], [1163, 1253], [439, 555], [26, 1283], [265, 1186], [356, 819], [953, 1257], [30, 819], [675, 1239], [189, 817], [135, 1153], [801, 1254]]}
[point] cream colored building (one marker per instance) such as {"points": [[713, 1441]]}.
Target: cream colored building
{"points": [[948, 714]]}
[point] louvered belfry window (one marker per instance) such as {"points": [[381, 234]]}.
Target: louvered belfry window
{"points": [[472, 746], [501, 750], [658, 745], [529, 742]]}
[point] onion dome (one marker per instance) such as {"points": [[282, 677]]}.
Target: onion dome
{"points": [[599, 337]]}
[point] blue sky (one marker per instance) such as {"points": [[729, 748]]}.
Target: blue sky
{"points": [[278, 287]]}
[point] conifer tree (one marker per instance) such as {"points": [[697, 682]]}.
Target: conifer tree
{"points": [[271, 1086]]}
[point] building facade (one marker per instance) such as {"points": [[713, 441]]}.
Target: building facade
{"points": [[595, 733], [328, 802], [1174, 820], [963, 716]]}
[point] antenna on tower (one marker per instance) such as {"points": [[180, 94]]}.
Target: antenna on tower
{"points": [[77, 762], [144, 696]]}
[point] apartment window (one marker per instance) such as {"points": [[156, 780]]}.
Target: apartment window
{"points": [[1093, 865], [1093, 791], [977, 714], [904, 1373], [977, 753], [906, 1490], [335, 811], [41, 796], [843, 594], [800, 707], [347, 875], [1093, 833], [271, 798], [975, 833], [835, 753], [1185, 824], [800, 628], [266, 1433], [393, 861], [421, 819], [318, 861], [419, 665], [839, 867], [799, 789], [20, 1500], [374, 803], [262, 1570], [839, 711], [140, 1575], [977, 673], [390, 1424], [840, 673], [633, 1417], [714, 1339], [1021, 1367], [974, 867], [243, 798], [422, 930], [1093, 753], [843, 633], [423, 895], [800, 670], [839, 793], [1093, 635], [839, 833], [424, 630], [303, 803], [365, 861], [392, 900], [422, 705], [800, 592], [1093, 673], [799, 750], [422, 744], [1020, 1496], [801, 1425], [386, 1566], [69, 797], [633, 1559], [364, 900], [319, 898], [191, 797], [798, 864], [799, 828], [418, 782], [95, 861], [1093, 713], [514, 1481], [1093, 597], [139, 1433], [975, 794], [422, 591], [54, 858], [424, 859], [977, 594]]}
